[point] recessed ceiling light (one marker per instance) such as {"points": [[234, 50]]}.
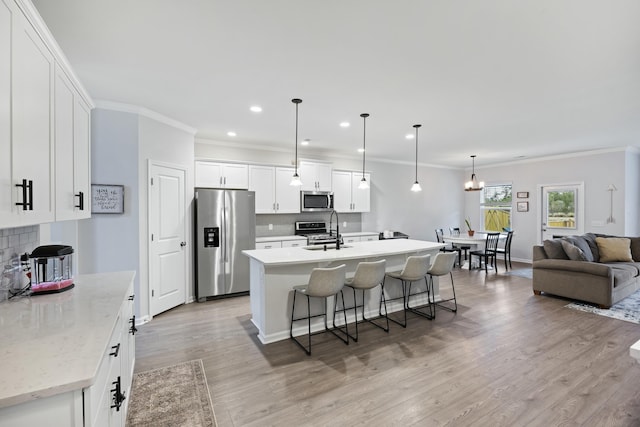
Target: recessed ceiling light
{"points": [[305, 142], [409, 136], [256, 108], [345, 124], [360, 150], [231, 133]]}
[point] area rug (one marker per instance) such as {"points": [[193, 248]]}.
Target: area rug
{"points": [[177, 395], [526, 273], [628, 309]]}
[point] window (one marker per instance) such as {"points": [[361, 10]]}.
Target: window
{"points": [[495, 207], [561, 208]]}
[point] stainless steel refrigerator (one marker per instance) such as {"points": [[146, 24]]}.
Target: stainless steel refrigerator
{"points": [[225, 224]]}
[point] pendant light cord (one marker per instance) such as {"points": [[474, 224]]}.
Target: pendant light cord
{"points": [[416, 127], [364, 140], [296, 137]]}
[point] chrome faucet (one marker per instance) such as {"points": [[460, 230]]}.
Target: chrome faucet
{"points": [[337, 228]]}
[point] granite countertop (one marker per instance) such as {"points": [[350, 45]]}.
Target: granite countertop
{"points": [[281, 238], [356, 250], [53, 344], [278, 238]]}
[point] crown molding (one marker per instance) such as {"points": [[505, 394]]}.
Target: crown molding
{"points": [[142, 111]]}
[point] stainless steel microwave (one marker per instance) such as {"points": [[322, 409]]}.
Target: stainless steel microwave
{"points": [[316, 201]]}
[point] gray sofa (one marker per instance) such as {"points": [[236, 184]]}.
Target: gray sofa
{"points": [[573, 267]]}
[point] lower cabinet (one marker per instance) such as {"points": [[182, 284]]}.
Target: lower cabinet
{"points": [[106, 401], [102, 404]]}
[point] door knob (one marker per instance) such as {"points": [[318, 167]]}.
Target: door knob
{"points": [[183, 244]]}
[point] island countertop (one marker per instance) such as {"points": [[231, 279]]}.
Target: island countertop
{"points": [[356, 250], [274, 272], [54, 343]]}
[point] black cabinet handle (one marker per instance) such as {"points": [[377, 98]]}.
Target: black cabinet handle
{"points": [[30, 195], [118, 396], [80, 197], [131, 297], [116, 350], [27, 195], [133, 329]]}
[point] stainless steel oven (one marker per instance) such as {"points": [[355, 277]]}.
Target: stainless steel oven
{"points": [[316, 201]]}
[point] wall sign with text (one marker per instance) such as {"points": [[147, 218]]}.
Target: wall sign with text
{"points": [[107, 198]]}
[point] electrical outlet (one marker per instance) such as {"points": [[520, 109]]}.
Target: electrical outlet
{"points": [[270, 226], [597, 223], [344, 224]]}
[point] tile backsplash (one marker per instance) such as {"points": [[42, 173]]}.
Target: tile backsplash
{"points": [[13, 243]]}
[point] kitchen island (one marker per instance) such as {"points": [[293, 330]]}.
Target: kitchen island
{"points": [[274, 272]]}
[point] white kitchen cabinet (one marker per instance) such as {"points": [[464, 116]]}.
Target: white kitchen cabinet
{"points": [[351, 239], [72, 151], [369, 237], [26, 122], [294, 243], [347, 196], [273, 192], [94, 392], [269, 245], [221, 175], [315, 176]]}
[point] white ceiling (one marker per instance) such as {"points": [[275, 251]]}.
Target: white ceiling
{"points": [[496, 78]]}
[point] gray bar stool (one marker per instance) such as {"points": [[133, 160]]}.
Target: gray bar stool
{"points": [[415, 269], [323, 283], [442, 265], [368, 275]]}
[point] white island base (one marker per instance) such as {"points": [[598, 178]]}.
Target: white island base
{"points": [[274, 272]]}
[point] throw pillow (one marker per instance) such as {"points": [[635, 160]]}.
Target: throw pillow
{"points": [[635, 248], [583, 244], [573, 252], [553, 249], [614, 249], [591, 240]]}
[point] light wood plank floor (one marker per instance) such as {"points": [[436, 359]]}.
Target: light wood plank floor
{"points": [[507, 358]]}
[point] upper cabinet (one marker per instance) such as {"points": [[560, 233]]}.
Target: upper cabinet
{"points": [[315, 176], [39, 109], [26, 122], [221, 175], [347, 196], [72, 142], [273, 192]]}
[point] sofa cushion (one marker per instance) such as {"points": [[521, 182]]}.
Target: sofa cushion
{"points": [[582, 243], [591, 241], [553, 249], [573, 252], [614, 249]]}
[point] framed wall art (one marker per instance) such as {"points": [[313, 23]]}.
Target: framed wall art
{"points": [[107, 198], [523, 206]]}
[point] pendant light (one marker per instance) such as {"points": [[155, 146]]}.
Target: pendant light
{"points": [[363, 182], [473, 184], [295, 180], [416, 185]]}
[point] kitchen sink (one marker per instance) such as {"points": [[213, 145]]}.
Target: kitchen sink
{"points": [[321, 247]]}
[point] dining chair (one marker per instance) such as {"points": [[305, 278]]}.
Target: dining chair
{"points": [[323, 283], [455, 231], [506, 250], [488, 253], [414, 270], [368, 275], [440, 238]]}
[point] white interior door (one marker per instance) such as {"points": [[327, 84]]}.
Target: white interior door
{"points": [[167, 226], [562, 210]]}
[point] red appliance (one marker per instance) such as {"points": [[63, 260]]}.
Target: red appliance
{"points": [[51, 269]]}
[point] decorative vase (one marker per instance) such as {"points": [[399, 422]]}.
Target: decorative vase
{"points": [[471, 233]]}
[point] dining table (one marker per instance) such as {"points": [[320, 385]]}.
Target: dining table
{"points": [[476, 242]]}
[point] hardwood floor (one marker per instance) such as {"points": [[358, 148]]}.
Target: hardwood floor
{"points": [[507, 358]]}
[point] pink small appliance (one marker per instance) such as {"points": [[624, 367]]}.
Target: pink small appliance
{"points": [[51, 269]]}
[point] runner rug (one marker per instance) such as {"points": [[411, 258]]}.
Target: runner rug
{"points": [[177, 395]]}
